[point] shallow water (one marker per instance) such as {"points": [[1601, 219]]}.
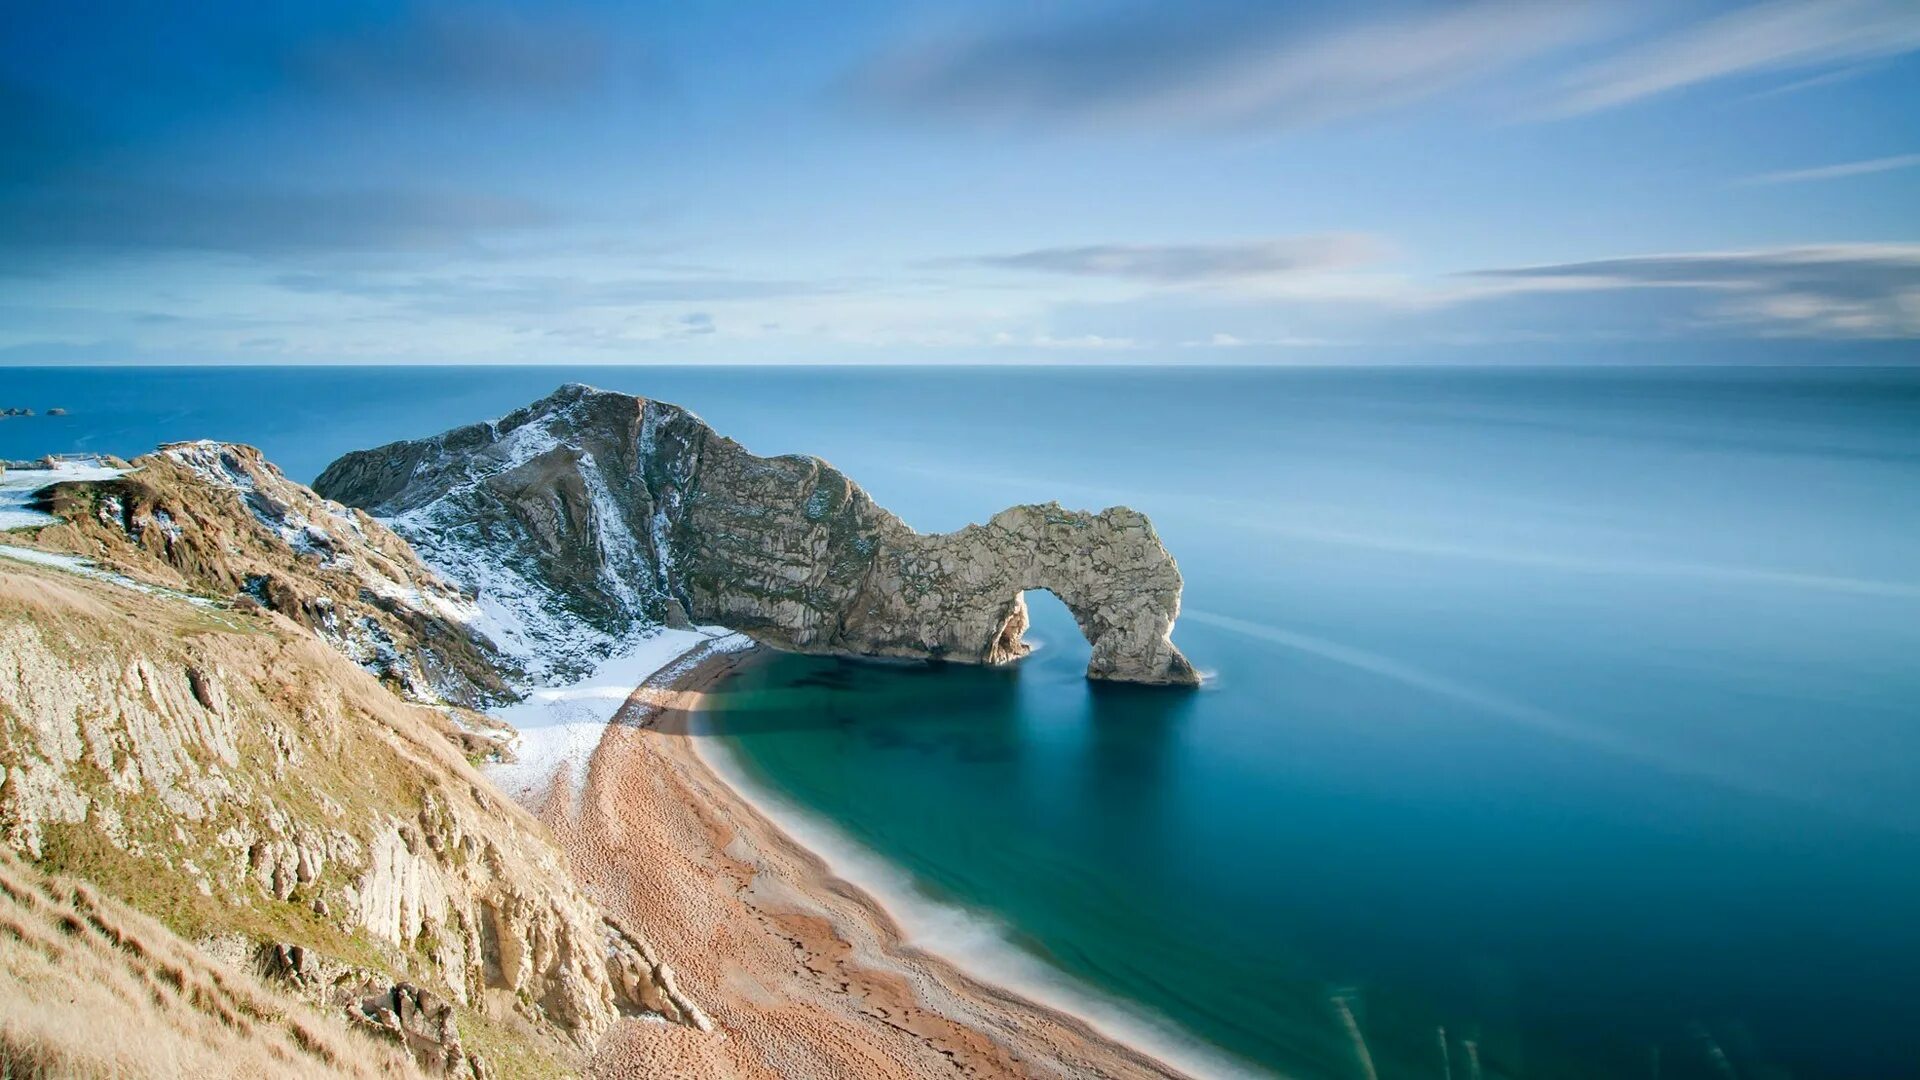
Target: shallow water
{"points": [[1574, 712]]}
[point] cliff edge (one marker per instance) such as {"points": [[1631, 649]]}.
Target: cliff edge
{"points": [[236, 708]]}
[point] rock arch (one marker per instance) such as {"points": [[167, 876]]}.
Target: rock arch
{"points": [[614, 509], [961, 595]]}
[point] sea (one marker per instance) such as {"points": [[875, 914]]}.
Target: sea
{"points": [[1558, 722]]}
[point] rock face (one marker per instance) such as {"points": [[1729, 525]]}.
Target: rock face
{"points": [[228, 769], [602, 511], [92, 987], [220, 521]]}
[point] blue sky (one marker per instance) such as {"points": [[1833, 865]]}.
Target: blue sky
{"points": [[1198, 182]]}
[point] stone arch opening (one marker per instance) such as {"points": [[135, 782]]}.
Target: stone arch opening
{"points": [[1037, 608]]}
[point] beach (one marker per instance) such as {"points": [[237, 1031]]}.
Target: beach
{"points": [[801, 973]]}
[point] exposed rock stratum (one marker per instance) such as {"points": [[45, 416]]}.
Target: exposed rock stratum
{"points": [[603, 511], [237, 707]]}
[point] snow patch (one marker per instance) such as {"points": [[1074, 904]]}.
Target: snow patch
{"points": [[560, 725], [619, 548], [18, 486], [86, 568]]}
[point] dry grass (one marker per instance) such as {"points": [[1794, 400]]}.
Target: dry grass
{"points": [[91, 988], [68, 1008]]}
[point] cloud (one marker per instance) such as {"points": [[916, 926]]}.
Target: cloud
{"points": [[1778, 36], [1190, 264], [1219, 63], [1836, 172], [536, 294], [1840, 290], [1840, 296], [466, 51], [1072, 343], [128, 218], [93, 124]]}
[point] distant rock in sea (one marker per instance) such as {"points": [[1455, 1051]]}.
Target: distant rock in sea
{"points": [[590, 513]]}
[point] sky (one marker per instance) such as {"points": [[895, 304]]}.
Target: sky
{"points": [[1203, 181]]}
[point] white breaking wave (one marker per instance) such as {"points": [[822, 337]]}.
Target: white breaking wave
{"points": [[977, 944]]}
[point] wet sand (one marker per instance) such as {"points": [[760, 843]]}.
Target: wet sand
{"points": [[803, 975]]}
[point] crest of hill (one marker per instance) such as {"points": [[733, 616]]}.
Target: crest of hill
{"points": [[219, 520], [236, 770]]}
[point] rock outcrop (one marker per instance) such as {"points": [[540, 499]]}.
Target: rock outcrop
{"points": [[228, 771], [90, 987], [590, 512], [219, 520]]}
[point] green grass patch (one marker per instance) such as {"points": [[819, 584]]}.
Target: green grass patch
{"points": [[513, 1052]]}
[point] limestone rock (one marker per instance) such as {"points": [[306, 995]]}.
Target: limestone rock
{"points": [[592, 512], [219, 520], [424, 1025], [170, 749]]}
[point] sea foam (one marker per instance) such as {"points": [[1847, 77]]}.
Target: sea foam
{"points": [[977, 943]]}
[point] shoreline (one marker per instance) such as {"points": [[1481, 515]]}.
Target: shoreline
{"points": [[802, 971]]}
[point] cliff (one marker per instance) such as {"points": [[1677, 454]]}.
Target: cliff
{"points": [[197, 726], [219, 520], [239, 816], [93, 988], [589, 513]]}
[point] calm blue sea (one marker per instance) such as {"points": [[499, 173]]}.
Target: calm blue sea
{"points": [[1562, 721]]}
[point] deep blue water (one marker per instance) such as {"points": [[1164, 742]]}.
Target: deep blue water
{"points": [[1577, 712]]}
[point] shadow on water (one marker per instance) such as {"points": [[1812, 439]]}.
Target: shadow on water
{"points": [[790, 692], [1130, 744], [787, 692]]}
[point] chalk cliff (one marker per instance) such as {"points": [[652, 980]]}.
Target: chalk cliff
{"points": [[196, 724], [219, 520], [589, 512]]}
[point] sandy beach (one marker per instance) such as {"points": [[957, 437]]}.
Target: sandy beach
{"points": [[802, 974]]}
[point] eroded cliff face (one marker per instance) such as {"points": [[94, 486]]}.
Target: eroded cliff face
{"points": [[219, 520], [589, 512], [228, 772], [244, 719]]}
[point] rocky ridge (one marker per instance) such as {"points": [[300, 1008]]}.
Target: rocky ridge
{"points": [[589, 513], [219, 520], [197, 726]]}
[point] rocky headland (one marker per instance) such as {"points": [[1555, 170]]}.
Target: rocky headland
{"points": [[237, 708], [604, 509], [245, 820]]}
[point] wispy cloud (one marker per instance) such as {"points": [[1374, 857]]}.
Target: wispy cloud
{"points": [[1189, 264], [1214, 63], [1838, 294], [459, 51], [548, 294], [1836, 172], [1839, 290], [1777, 36], [129, 218]]}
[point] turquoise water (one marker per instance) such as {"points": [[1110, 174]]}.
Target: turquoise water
{"points": [[1575, 712]]}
